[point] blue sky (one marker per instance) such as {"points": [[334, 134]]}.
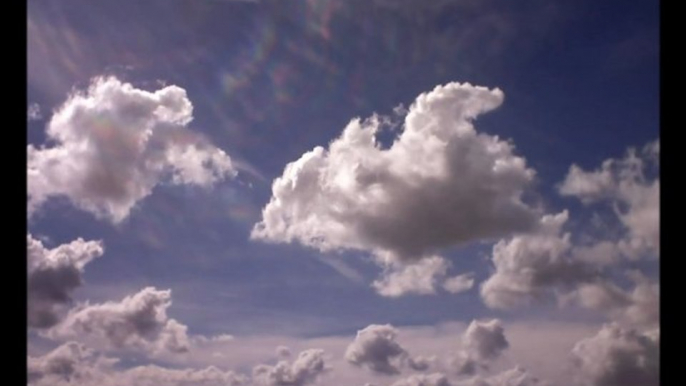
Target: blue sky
{"points": [[271, 80]]}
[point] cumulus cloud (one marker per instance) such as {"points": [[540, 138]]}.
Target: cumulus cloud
{"points": [[52, 276], [375, 348], [139, 321], [482, 342], [528, 265], [74, 364], [635, 197], [459, 283], [70, 363], [304, 370], [112, 144], [439, 184], [637, 307], [619, 357], [421, 278]]}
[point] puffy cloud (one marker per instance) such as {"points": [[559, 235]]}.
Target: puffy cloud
{"points": [[114, 143], [74, 364], [482, 342], [139, 321], [528, 265], [304, 370], [420, 278], [619, 357], [634, 196], [639, 307], [486, 340], [70, 363], [52, 276], [439, 184], [376, 349]]}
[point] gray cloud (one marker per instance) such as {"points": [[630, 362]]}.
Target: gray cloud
{"points": [[304, 370], [139, 321], [441, 183], [114, 143], [486, 340], [375, 348], [52, 276], [482, 342], [634, 196], [619, 357]]}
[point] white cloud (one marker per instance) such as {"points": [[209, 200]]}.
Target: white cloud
{"points": [[139, 322], [527, 266], [74, 364], [304, 370], [638, 307], [375, 348], [114, 143], [634, 196], [52, 276], [439, 184], [459, 283], [418, 278], [619, 357]]}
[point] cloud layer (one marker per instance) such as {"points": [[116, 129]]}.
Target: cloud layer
{"points": [[112, 144], [74, 364]]}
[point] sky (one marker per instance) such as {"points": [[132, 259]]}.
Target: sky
{"points": [[341, 193]]}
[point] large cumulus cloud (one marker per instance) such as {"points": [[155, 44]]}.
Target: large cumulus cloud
{"points": [[440, 183], [52, 276], [112, 144], [138, 321], [617, 356]]}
